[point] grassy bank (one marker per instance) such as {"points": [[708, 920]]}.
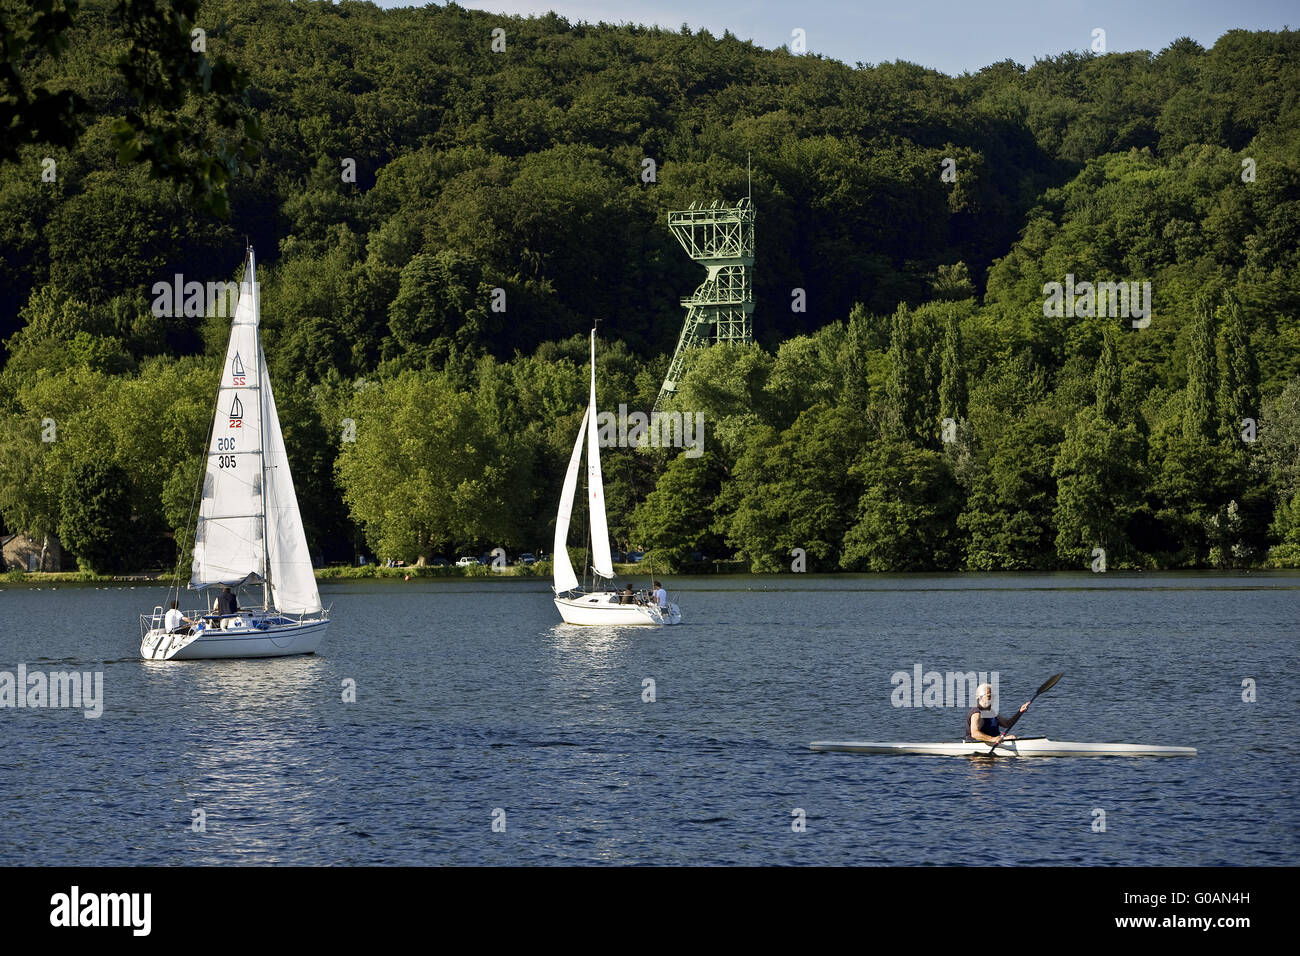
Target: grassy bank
{"points": [[542, 569], [80, 577]]}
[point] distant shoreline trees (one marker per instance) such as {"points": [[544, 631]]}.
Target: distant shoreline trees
{"points": [[440, 224]]}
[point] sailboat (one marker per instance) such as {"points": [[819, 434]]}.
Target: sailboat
{"points": [[249, 529], [597, 607]]}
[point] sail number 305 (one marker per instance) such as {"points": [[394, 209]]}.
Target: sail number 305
{"points": [[225, 461]]}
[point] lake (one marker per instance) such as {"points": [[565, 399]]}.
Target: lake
{"points": [[483, 731]]}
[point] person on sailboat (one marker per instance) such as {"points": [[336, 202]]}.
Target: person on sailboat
{"points": [[983, 727], [176, 622], [627, 597], [226, 603], [661, 598]]}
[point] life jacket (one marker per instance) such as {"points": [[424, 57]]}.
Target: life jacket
{"points": [[987, 725]]}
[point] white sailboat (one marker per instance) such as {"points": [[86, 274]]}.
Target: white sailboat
{"points": [[249, 529], [595, 607]]}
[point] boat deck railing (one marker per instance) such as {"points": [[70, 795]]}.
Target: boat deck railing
{"points": [[213, 621]]}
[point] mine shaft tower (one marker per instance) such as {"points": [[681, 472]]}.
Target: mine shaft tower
{"points": [[720, 237]]}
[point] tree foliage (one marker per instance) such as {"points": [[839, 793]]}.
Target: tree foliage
{"points": [[438, 225]]}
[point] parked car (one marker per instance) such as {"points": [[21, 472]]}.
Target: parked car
{"points": [[439, 562], [527, 558], [636, 557], [466, 561], [618, 557]]}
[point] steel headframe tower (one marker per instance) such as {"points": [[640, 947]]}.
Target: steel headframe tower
{"points": [[722, 238]]}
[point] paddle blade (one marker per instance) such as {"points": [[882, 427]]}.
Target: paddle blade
{"points": [[1051, 682]]}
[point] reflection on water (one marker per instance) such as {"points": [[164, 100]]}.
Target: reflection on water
{"points": [[596, 646]]}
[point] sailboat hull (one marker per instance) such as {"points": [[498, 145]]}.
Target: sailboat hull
{"points": [[603, 609], [245, 640]]}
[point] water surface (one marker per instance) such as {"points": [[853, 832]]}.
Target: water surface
{"points": [[471, 698]]}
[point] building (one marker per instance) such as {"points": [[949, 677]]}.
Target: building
{"points": [[31, 554]]}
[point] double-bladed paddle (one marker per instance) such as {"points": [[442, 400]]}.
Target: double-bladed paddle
{"points": [[1048, 685]]}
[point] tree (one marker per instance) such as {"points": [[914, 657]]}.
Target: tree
{"points": [[794, 489], [441, 302], [906, 518], [165, 68], [427, 471], [1009, 517], [1286, 528], [1239, 389], [96, 516], [952, 385], [1098, 472], [1279, 440], [1199, 422], [33, 113], [677, 518], [1107, 379], [908, 398], [1191, 482]]}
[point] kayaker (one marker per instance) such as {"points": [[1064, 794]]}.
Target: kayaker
{"points": [[984, 726]]}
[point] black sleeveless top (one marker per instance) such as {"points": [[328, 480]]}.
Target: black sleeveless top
{"points": [[987, 725]]}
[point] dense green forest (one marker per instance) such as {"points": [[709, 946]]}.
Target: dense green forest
{"points": [[920, 405]]}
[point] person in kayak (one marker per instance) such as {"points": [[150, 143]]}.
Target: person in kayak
{"points": [[983, 726]]}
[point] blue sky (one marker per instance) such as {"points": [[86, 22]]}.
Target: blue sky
{"points": [[951, 36]]}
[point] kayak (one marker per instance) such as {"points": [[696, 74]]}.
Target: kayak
{"points": [[1024, 747]]}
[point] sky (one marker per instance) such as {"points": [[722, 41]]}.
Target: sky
{"points": [[952, 36]]}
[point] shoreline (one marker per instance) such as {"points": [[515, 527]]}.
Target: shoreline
{"points": [[541, 569], [623, 571]]}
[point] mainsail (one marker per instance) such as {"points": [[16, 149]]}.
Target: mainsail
{"points": [[228, 547], [600, 556], [249, 527]]}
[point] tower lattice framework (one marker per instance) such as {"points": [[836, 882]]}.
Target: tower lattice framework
{"points": [[721, 237]]}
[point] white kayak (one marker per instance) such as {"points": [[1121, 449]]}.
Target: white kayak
{"points": [[1024, 747]]}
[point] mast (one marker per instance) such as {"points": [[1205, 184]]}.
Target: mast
{"points": [[261, 430], [589, 539], [601, 564]]}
